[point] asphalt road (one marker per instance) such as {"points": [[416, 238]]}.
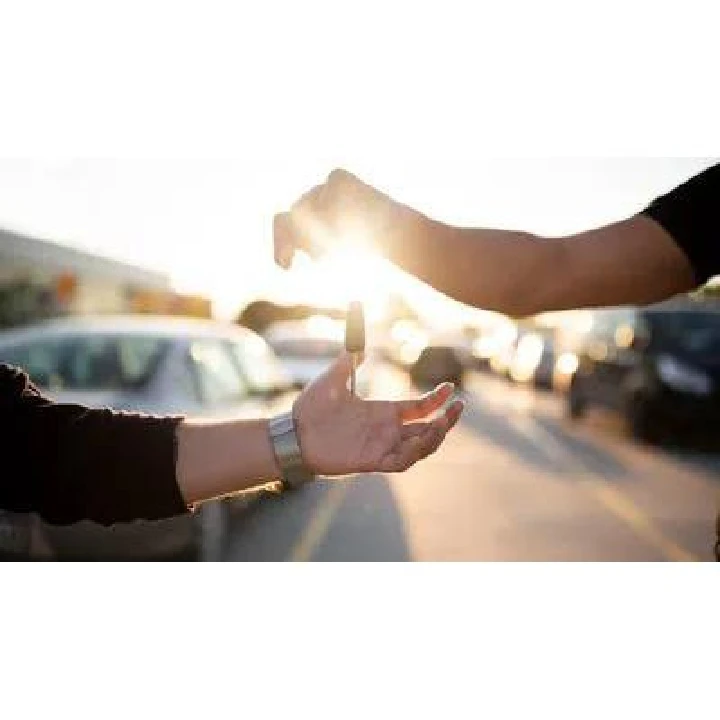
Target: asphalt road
{"points": [[515, 481]]}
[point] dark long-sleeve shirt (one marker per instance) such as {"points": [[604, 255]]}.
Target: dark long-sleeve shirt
{"points": [[690, 214], [69, 463]]}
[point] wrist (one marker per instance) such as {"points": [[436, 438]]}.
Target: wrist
{"points": [[284, 435], [276, 469], [403, 227]]}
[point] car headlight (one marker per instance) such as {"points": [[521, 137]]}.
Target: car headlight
{"points": [[679, 376], [529, 352]]}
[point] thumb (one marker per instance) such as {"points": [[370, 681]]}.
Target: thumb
{"points": [[283, 243], [341, 368]]}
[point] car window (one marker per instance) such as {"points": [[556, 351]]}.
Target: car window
{"points": [[89, 362], [258, 363], [37, 359], [695, 332], [186, 389], [307, 346], [218, 376]]}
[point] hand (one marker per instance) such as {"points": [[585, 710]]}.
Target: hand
{"points": [[342, 209], [341, 434]]}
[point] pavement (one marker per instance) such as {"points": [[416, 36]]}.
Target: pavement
{"points": [[515, 481]]}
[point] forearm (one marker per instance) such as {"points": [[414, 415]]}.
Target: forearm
{"points": [[501, 270], [631, 262], [216, 458], [519, 274]]}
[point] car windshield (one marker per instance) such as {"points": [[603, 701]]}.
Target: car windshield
{"points": [[88, 362], [317, 337], [695, 332], [259, 364], [311, 347]]}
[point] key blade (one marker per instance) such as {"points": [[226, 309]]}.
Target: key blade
{"points": [[353, 375], [355, 328]]}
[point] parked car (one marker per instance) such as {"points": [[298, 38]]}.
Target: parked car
{"points": [[658, 366], [429, 357], [437, 364], [306, 348], [157, 365]]}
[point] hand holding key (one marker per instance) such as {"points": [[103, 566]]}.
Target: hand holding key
{"points": [[323, 218]]}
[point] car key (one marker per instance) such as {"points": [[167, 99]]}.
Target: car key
{"points": [[355, 338]]}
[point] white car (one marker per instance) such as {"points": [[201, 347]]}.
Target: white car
{"points": [[307, 347], [159, 365]]}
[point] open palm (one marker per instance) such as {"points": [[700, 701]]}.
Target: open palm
{"points": [[341, 434]]}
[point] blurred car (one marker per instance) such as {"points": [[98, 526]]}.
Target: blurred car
{"points": [[306, 348], [436, 364], [158, 365], [657, 366], [428, 357], [533, 359]]}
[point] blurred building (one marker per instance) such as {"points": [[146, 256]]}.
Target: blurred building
{"points": [[46, 279]]}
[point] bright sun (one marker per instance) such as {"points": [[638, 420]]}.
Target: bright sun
{"points": [[344, 275]]}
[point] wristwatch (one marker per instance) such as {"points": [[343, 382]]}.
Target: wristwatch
{"points": [[286, 446]]}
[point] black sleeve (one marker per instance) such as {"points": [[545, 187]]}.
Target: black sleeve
{"points": [[690, 214], [70, 463]]}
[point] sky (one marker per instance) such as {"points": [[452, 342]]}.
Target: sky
{"points": [[207, 222]]}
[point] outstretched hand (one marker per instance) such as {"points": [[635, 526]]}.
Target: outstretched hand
{"points": [[341, 434]]}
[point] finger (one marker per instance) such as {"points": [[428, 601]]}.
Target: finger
{"points": [[443, 423], [434, 439], [345, 191], [433, 433], [405, 454], [341, 178], [309, 222], [283, 243], [430, 435], [454, 413], [418, 441], [292, 233], [418, 408], [341, 368], [310, 202]]}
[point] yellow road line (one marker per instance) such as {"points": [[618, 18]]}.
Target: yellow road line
{"points": [[320, 522], [615, 501], [621, 506]]}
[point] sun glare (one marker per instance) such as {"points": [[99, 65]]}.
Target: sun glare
{"points": [[347, 274]]}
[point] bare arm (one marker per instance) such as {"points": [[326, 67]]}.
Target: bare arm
{"points": [[78, 463], [633, 261], [216, 458], [339, 434], [637, 260]]}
